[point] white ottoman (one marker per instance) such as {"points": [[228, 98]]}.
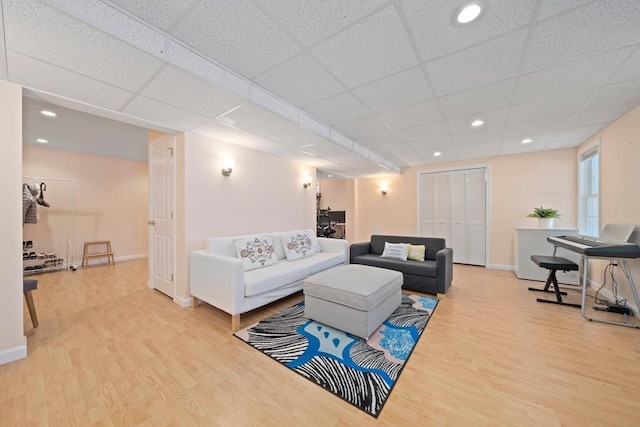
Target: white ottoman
{"points": [[353, 298]]}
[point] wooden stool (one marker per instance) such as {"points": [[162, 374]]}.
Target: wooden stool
{"points": [[108, 253], [553, 264]]}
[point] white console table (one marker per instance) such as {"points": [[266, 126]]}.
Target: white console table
{"points": [[533, 241]]}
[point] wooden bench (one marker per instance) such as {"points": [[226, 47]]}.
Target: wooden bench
{"points": [[107, 253]]}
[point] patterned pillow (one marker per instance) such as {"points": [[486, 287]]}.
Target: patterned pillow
{"points": [[255, 252], [297, 245], [395, 251]]}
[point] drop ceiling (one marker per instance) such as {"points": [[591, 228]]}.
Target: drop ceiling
{"points": [[355, 88]]}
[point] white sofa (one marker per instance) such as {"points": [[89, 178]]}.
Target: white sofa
{"points": [[217, 275]]}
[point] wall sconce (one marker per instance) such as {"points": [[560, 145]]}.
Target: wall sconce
{"points": [[227, 167], [306, 182], [383, 188]]}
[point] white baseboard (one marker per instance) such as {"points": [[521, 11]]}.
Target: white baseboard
{"points": [[130, 257], [182, 302], [501, 267], [13, 354]]}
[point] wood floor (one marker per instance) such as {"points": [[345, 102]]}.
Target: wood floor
{"points": [[110, 351]]}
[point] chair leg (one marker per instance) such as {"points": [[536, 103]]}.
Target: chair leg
{"points": [[556, 289], [32, 308], [550, 279]]}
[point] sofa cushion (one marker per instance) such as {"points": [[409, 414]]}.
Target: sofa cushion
{"points": [[322, 261], [255, 252], [397, 251], [297, 245], [277, 241], [425, 268], [273, 277]]}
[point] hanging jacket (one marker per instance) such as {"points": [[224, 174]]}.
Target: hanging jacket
{"points": [[29, 204]]}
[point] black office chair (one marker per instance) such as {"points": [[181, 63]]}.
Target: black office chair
{"points": [[325, 228]]}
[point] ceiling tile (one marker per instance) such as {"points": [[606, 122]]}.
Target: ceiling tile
{"points": [[325, 149], [549, 107], [30, 72], [160, 13], [431, 143], [489, 97], [486, 63], [370, 49], [312, 21], [436, 34], [338, 109], [237, 35], [74, 45], [404, 88], [496, 118], [602, 115], [478, 154], [367, 126], [530, 128], [565, 143], [254, 119], [553, 7], [538, 139], [264, 145], [381, 140], [476, 136], [584, 74], [158, 112], [295, 136], [300, 81], [520, 149], [591, 30], [395, 150], [630, 70], [348, 158], [478, 146], [429, 130], [616, 94], [183, 90], [413, 115], [584, 132]]}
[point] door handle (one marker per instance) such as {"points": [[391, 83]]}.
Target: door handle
{"points": [[151, 222]]}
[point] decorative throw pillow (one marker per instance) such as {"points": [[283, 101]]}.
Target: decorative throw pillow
{"points": [[395, 251], [255, 252], [297, 245], [416, 252]]}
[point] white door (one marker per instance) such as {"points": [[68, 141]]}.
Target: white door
{"points": [[453, 206], [161, 211]]}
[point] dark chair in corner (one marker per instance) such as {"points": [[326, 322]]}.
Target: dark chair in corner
{"points": [[29, 285], [553, 264]]}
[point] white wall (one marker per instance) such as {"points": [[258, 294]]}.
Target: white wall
{"points": [[13, 344], [263, 193]]}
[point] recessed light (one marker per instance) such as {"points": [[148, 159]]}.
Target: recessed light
{"points": [[48, 113], [437, 153], [329, 176], [477, 123], [42, 140], [469, 13], [526, 140]]}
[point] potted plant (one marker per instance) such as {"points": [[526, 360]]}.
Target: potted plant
{"points": [[545, 216]]}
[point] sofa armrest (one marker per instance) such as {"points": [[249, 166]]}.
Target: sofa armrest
{"points": [[444, 264], [335, 245], [217, 280], [358, 249]]}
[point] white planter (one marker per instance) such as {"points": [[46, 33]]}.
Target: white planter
{"points": [[545, 222]]}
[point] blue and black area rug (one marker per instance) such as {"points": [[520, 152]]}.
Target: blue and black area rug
{"points": [[362, 372]]}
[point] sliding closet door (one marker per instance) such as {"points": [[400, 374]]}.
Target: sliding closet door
{"points": [[476, 215], [435, 209], [459, 229], [453, 206]]}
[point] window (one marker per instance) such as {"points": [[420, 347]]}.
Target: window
{"points": [[589, 191]]}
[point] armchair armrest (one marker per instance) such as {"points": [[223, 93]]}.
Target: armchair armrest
{"points": [[444, 264], [217, 280], [358, 249]]}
